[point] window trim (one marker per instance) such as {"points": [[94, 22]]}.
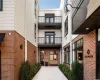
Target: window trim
{"points": [[66, 27], [77, 48], [67, 53]]}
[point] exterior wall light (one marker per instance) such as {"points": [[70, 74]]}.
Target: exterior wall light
{"points": [[71, 6], [9, 33]]}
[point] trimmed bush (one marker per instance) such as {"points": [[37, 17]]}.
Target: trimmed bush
{"points": [[77, 71], [27, 72], [66, 71], [34, 69], [24, 71]]}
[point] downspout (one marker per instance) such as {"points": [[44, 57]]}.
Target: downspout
{"points": [[25, 30], [70, 30]]}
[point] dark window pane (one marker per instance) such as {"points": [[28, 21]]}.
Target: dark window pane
{"points": [[0, 5], [66, 26], [80, 56]]}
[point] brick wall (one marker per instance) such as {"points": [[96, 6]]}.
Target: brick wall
{"points": [[7, 57], [12, 55], [19, 53], [90, 63], [31, 53]]}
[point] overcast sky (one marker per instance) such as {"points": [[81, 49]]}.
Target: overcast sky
{"points": [[49, 3]]}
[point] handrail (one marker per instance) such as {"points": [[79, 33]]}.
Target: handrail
{"points": [[46, 40]]}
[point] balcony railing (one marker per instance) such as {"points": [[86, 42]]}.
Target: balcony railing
{"points": [[55, 19], [49, 41], [76, 3]]}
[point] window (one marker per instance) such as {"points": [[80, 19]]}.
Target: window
{"points": [[78, 50], [65, 6], [35, 31], [67, 55], [49, 37], [53, 55], [49, 18], [1, 5], [66, 27], [35, 6]]}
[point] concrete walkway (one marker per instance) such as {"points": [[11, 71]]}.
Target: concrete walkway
{"points": [[49, 73]]}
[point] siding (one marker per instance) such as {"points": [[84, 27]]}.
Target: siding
{"points": [[31, 21], [93, 5], [7, 15], [58, 33], [25, 18], [20, 17]]}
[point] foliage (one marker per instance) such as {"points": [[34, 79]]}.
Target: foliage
{"points": [[66, 71], [34, 69], [24, 71], [77, 71], [27, 72]]}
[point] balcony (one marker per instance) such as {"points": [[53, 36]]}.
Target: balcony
{"points": [[49, 42], [79, 15], [49, 23]]}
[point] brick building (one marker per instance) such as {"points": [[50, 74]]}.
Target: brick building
{"points": [[18, 41], [85, 31]]}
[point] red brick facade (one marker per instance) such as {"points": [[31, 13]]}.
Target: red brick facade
{"points": [[12, 55], [31, 53], [89, 43], [90, 63]]}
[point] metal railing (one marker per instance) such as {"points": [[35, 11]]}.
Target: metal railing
{"points": [[55, 19], [76, 3], [46, 40]]}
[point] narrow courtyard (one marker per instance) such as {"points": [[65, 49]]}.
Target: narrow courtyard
{"points": [[50, 73]]}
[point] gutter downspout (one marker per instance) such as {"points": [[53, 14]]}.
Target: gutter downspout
{"points": [[70, 29], [25, 30]]}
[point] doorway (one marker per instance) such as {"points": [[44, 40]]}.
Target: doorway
{"points": [[49, 37], [98, 54], [49, 56], [0, 64]]}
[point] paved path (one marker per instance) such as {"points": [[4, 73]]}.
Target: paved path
{"points": [[49, 73]]}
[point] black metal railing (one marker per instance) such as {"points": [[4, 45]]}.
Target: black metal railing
{"points": [[76, 3], [47, 40], [55, 19]]}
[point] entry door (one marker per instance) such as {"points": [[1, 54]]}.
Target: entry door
{"points": [[98, 55], [98, 61], [50, 37], [0, 64]]}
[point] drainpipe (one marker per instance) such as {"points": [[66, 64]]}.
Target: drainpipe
{"points": [[25, 30], [70, 29]]}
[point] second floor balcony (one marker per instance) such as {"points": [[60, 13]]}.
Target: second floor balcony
{"points": [[49, 22], [49, 41]]}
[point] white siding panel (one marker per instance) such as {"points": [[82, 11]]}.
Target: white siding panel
{"points": [[7, 15], [31, 21], [20, 17]]}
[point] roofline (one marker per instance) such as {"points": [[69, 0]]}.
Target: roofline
{"points": [[50, 9]]}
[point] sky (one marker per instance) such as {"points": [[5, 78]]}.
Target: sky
{"points": [[45, 4]]}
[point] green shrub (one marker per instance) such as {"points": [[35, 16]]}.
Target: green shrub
{"points": [[66, 71], [34, 69], [77, 71], [24, 71], [27, 72]]}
